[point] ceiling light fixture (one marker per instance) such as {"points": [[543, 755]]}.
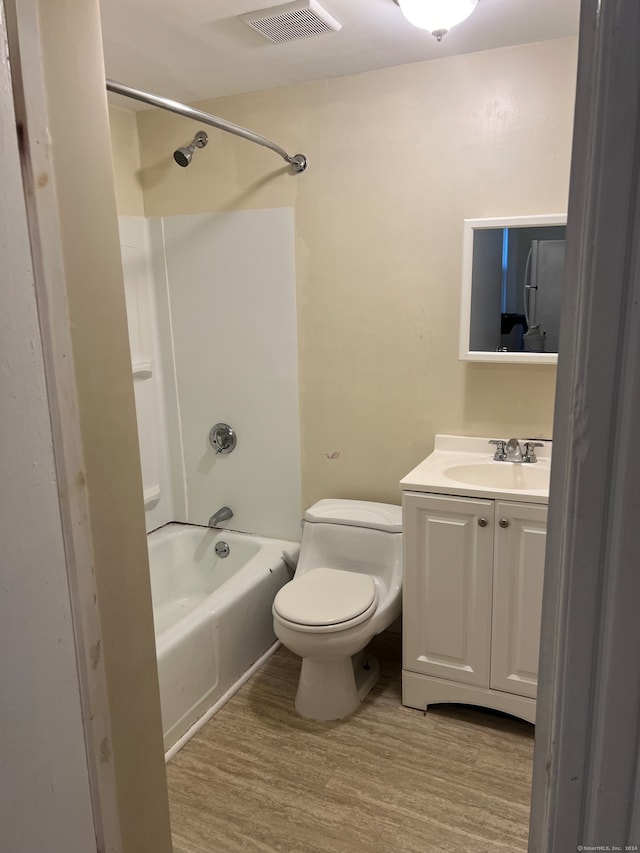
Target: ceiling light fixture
{"points": [[436, 16]]}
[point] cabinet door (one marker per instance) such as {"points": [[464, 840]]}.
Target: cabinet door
{"points": [[448, 554], [521, 532]]}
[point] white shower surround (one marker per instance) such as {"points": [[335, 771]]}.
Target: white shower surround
{"points": [[224, 315], [152, 391], [231, 285]]}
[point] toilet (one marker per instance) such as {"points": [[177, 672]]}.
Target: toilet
{"points": [[347, 588]]}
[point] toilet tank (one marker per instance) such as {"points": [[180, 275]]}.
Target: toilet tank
{"points": [[356, 536]]}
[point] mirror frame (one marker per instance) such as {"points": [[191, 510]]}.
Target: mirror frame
{"points": [[471, 225]]}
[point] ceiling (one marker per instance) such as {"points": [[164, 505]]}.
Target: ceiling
{"points": [[201, 49]]}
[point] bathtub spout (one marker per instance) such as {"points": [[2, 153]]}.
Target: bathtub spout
{"points": [[223, 514]]}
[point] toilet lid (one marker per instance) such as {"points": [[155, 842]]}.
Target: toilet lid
{"points": [[325, 597]]}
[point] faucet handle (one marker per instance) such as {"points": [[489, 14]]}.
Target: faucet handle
{"points": [[222, 438], [501, 453], [529, 451]]}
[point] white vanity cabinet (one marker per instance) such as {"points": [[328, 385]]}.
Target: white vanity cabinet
{"points": [[472, 601]]}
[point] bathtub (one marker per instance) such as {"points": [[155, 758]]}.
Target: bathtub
{"points": [[212, 618]]}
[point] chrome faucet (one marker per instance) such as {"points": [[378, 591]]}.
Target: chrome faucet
{"points": [[512, 450], [223, 514]]}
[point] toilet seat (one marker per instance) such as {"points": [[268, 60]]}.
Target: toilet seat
{"points": [[325, 600]]}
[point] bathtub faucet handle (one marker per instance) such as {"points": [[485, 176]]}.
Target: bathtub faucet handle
{"points": [[222, 438]]}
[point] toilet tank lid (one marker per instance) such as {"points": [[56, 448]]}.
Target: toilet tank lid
{"points": [[376, 516]]}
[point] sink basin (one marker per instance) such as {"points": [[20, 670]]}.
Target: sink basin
{"points": [[501, 475], [464, 466]]}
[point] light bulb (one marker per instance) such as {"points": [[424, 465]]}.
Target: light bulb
{"points": [[436, 16]]}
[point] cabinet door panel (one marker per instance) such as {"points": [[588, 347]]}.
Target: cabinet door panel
{"points": [[447, 587], [517, 597]]}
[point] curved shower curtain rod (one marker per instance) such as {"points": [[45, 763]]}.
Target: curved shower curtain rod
{"points": [[298, 162]]}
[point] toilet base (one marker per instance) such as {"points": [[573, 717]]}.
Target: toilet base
{"points": [[333, 689]]}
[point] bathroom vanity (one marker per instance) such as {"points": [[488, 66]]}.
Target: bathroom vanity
{"points": [[474, 547]]}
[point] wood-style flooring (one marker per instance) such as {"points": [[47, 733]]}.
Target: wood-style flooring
{"points": [[388, 779]]}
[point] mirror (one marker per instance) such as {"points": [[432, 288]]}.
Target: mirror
{"points": [[511, 288]]}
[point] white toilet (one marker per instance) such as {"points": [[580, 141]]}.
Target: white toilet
{"points": [[347, 588]]}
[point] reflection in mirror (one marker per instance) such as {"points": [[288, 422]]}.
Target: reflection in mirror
{"points": [[512, 281]]}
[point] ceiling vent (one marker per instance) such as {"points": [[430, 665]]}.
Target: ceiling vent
{"points": [[292, 21]]}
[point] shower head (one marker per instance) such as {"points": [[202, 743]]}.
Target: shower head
{"points": [[184, 155]]}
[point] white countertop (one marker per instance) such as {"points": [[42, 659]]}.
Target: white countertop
{"points": [[463, 465]]}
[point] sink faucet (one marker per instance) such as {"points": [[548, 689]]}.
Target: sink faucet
{"points": [[512, 451], [223, 514]]}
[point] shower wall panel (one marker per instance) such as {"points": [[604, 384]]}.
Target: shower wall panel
{"points": [[149, 381], [231, 285]]}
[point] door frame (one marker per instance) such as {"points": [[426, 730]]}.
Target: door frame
{"points": [[90, 399], [49, 278], [586, 782]]}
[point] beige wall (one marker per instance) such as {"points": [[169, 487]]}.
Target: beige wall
{"points": [[78, 124], [398, 158], [126, 162]]}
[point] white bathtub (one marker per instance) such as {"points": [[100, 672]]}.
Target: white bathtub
{"points": [[212, 616]]}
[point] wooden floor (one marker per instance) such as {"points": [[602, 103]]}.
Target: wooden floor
{"points": [[388, 779]]}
